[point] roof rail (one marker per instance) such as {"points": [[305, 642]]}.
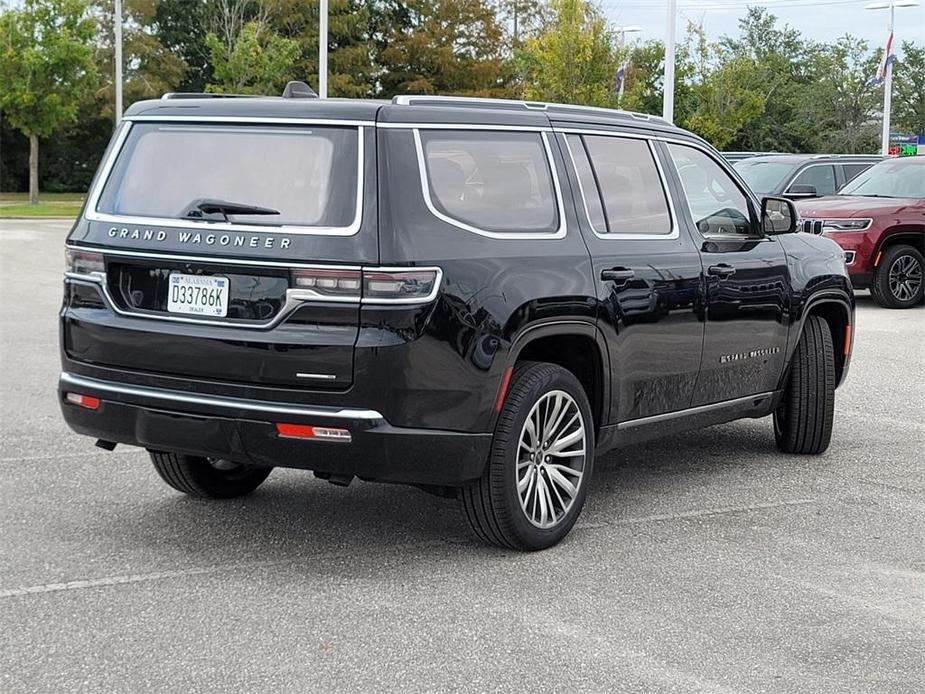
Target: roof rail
{"points": [[515, 104], [210, 95]]}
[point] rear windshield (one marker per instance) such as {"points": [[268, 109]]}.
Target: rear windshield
{"points": [[495, 181], [299, 176]]}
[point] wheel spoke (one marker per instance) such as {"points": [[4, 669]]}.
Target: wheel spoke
{"points": [[547, 490], [564, 484]]}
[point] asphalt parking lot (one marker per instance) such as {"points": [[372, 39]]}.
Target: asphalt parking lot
{"points": [[707, 562]]}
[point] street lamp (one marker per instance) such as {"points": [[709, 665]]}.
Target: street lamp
{"points": [[117, 57], [886, 68], [622, 32], [670, 37], [323, 50]]}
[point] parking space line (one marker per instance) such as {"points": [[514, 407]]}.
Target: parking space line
{"points": [[700, 513]]}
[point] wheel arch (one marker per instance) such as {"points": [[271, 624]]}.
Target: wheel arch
{"points": [[901, 234], [569, 344], [837, 311]]}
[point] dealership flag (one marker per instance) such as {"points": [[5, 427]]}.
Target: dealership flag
{"points": [[888, 58]]}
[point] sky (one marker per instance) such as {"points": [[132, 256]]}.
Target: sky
{"points": [[821, 20]]}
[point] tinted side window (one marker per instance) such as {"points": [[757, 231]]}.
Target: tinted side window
{"points": [[493, 181], [717, 204], [822, 178], [588, 183], [852, 170], [629, 184]]}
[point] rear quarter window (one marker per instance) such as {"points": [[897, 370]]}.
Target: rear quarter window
{"points": [[490, 181]]}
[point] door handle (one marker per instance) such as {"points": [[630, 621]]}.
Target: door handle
{"points": [[722, 270], [620, 275]]}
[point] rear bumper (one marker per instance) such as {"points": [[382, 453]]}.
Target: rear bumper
{"points": [[245, 431]]}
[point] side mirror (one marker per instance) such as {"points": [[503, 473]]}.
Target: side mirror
{"points": [[778, 216], [801, 190]]}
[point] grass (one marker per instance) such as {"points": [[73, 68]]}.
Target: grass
{"points": [[50, 205]]}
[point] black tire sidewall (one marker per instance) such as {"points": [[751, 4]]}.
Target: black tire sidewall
{"points": [[530, 385], [882, 293]]}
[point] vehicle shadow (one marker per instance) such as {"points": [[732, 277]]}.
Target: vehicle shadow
{"points": [[294, 516]]}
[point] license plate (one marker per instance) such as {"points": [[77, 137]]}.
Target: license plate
{"points": [[198, 295]]}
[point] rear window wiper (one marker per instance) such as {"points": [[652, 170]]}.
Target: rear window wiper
{"points": [[210, 206]]}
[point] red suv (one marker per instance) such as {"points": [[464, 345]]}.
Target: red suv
{"points": [[879, 219]]}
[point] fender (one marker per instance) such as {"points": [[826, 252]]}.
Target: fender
{"points": [[560, 327], [826, 296]]}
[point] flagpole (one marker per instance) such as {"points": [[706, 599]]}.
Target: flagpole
{"points": [[323, 50], [887, 94], [117, 58], [668, 89]]}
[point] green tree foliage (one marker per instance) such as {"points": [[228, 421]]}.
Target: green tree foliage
{"points": [[351, 72], [909, 90], [441, 47], [181, 27], [256, 62], [46, 68], [573, 60], [840, 104], [149, 68]]}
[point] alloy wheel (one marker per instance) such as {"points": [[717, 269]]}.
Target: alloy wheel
{"points": [[551, 459], [905, 277]]}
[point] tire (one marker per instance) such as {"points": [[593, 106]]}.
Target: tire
{"points": [[207, 478], [493, 505], [803, 421], [898, 281]]}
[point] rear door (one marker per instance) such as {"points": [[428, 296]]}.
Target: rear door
{"points": [[647, 271], [747, 280], [232, 249]]}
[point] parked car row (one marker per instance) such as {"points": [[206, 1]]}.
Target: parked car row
{"points": [[874, 208]]}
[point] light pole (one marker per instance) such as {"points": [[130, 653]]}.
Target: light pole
{"points": [[117, 46], [886, 70], [668, 99], [323, 50], [622, 32]]}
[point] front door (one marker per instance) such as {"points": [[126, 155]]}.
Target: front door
{"points": [[648, 274], [747, 282]]}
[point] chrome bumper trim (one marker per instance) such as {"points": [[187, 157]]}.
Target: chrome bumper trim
{"points": [[272, 408]]}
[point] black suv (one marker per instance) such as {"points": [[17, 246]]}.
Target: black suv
{"points": [[800, 176], [470, 296]]}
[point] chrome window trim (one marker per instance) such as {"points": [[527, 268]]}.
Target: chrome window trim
{"points": [[93, 200], [816, 165], [675, 231], [729, 170], [501, 235], [73, 380], [431, 125]]}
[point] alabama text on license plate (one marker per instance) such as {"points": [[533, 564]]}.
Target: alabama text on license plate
{"points": [[198, 295]]}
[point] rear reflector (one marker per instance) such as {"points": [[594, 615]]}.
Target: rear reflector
{"points": [[502, 391], [307, 431], [847, 339], [87, 401]]}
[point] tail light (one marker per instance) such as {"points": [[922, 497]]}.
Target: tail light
{"points": [[84, 262], [391, 285], [400, 286], [330, 284]]}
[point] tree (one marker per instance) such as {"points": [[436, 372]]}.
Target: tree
{"points": [[573, 60], [351, 71], [46, 68], [257, 61], [909, 90], [840, 104], [149, 68], [442, 47]]}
